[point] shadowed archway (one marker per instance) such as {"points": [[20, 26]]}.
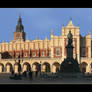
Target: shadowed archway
{"points": [[46, 67], [83, 67], [56, 67], [1, 68], [26, 67], [36, 66], [8, 67]]}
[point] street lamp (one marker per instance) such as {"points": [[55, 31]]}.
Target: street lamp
{"points": [[19, 64], [40, 67]]}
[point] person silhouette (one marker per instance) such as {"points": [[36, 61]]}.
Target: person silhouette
{"points": [[30, 75]]}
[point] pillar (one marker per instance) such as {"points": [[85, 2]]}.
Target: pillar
{"points": [[88, 68]]}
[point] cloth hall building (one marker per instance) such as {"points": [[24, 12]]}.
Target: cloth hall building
{"points": [[47, 53]]}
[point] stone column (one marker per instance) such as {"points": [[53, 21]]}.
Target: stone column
{"points": [[51, 68], [0, 56], [52, 46], [88, 68]]}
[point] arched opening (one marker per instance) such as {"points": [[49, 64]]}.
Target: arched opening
{"points": [[46, 67], [17, 67], [9, 67], [1, 67], [55, 67], [83, 67], [26, 67], [35, 66]]}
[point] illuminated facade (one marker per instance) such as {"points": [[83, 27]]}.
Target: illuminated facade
{"points": [[47, 53]]}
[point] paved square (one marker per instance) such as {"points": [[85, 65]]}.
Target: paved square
{"points": [[4, 79]]}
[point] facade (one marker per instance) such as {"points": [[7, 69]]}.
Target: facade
{"points": [[48, 54]]}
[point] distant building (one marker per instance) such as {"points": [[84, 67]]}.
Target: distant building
{"points": [[47, 53]]}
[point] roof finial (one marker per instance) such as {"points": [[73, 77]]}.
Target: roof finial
{"points": [[78, 25], [70, 18], [37, 38], [19, 20], [89, 31], [51, 32], [19, 15]]}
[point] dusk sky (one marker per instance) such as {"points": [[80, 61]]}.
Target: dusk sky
{"points": [[38, 22]]}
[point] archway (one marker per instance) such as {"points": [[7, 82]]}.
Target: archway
{"points": [[26, 67], [1, 67], [8, 67], [17, 67], [55, 67], [35, 66], [46, 67], [83, 67]]}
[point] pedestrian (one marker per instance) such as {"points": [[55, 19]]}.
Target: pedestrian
{"points": [[12, 72], [36, 74], [30, 75], [25, 74]]}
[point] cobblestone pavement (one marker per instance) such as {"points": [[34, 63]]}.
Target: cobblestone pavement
{"points": [[4, 79]]}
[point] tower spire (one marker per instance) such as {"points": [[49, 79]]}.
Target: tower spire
{"points": [[19, 15], [19, 27]]}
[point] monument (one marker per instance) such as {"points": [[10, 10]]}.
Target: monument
{"points": [[69, 65]]}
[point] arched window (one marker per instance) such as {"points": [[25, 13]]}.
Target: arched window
{"points": [[58, 51], [17, 54], [25, 54], [34, 54], [43, 54]]}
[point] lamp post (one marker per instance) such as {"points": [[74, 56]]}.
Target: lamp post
{"points": [[40, 67], [19, 64]]}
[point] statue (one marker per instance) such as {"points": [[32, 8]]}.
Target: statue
{"points": [[69, 65], [70, 38]]}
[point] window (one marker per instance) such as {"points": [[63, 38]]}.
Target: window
{"points": [[34, 54], [17, 54], [49, 53], [42, 54], [10, 54], [83, 51], [25, 54], [58, 52]]}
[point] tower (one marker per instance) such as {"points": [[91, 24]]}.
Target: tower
{"points": [[19, 34]]}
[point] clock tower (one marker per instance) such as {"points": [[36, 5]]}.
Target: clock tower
{"points": [[19, 34]]}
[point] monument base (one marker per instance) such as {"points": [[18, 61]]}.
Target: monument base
{"points": [[70, 75], [69, 65]]}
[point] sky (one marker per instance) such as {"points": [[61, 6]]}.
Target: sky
{"points": [[38, 22]]}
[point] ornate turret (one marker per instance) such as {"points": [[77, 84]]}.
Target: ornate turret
{"points": [[19, 34], [70, 22]]}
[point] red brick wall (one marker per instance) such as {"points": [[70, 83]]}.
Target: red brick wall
{"points": [[26, 51]]}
